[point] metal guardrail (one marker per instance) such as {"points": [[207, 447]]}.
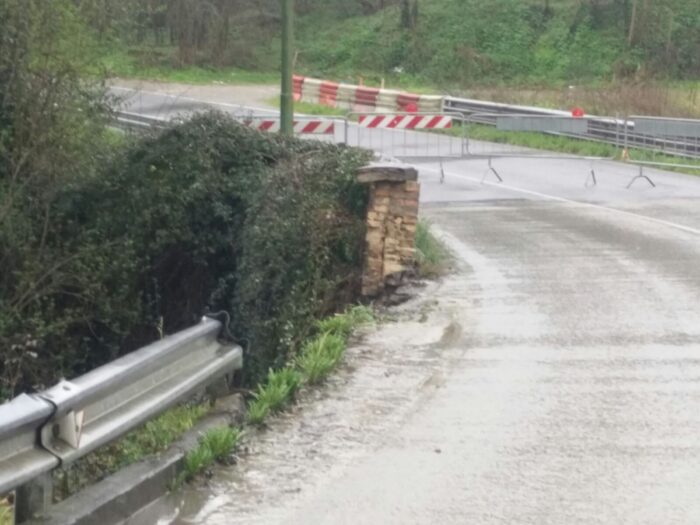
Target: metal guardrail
{"points": [[21, 456], [128, 121], [58, 426], [566, 125], [601, 129]]}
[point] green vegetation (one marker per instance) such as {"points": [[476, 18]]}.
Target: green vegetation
{"points": [[306, 108], [343, 324], [470, 42], [424, 42], [6, 513], [215, 445], [431, 254], [107, 243], [117, 63], [318, 358], [152, 438], [274, 394]]}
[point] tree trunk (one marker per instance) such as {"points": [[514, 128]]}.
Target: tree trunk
{"points": [[633, 23]]}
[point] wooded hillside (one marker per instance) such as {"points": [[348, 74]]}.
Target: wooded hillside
{"points": [[457, 41]]}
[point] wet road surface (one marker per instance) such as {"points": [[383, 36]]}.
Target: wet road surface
{"points": [[554, 378]]}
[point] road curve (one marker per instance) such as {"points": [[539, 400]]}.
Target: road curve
{"points": [[570, 396], [554, 378]]}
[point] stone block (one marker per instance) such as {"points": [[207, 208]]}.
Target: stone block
{"points": [[382, 173]]}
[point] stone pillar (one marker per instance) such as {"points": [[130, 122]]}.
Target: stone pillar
{"points": [[392, 215]]}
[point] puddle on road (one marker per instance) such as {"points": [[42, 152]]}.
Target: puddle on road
{"points": [[388, 372]]}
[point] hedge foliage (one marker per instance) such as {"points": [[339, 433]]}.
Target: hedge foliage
{"points": [[207, 215]]}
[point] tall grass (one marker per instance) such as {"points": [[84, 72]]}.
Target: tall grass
{"points": [[432, 257], [320, 356], [6, 514], [215, 445], [317, 359], [274, 394]]}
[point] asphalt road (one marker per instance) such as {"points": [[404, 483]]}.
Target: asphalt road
{"points": [[568, 393]]}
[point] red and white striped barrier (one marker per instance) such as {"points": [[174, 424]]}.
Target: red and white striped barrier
{"points": [[303, 127], [362, 98], [406, 121]]}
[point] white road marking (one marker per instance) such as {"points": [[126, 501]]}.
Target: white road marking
{"points": [[515, 189]]}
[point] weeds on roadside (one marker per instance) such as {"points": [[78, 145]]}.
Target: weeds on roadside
{"points": [[152, 438], [274, 394], [6, 514], [318, 358], [431, 255], [343, 324], [215, 445], [157, 435]]}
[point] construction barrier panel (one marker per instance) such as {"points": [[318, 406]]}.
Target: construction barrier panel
{"points": [[362, 98], [406, 135], [406, 121], [301, 127]]}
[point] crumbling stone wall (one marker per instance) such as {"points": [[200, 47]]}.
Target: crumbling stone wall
{"points": [[392, 215]]}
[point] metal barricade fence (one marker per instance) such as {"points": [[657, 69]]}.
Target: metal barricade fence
{"points": [[665, 136], [674, 144], [516, 136], [486, 144], [407, 135]]}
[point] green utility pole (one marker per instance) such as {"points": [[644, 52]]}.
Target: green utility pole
{"points": [[287, 102]]}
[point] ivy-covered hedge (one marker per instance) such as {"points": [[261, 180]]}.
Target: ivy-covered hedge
{"points": [[207, 215]]}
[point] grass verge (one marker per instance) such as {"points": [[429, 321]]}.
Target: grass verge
{"points": [[274, 394], [431, 255], [215, 445], [152, 438], [6, 513], [306, 108], [320, 356], [316, 360], [573, 146], [118, 63]]}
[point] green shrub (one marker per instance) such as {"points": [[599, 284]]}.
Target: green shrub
{"points": [[207, 214]]}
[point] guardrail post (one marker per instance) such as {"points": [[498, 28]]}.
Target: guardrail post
{"points": [[392, 216], [33, 499]]}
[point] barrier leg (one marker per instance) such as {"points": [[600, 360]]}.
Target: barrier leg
{"points": [[490, 170], [34, 499], [641, 175], [592, 179]]}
